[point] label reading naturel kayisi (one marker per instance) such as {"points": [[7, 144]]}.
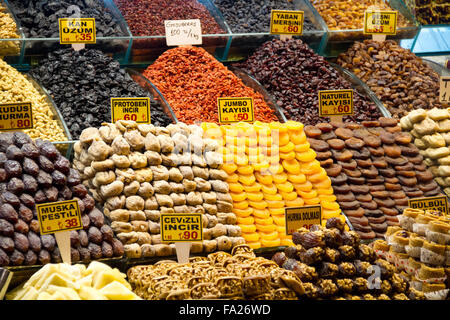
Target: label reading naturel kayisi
{"points": [[305, 217], [439, 203], [380, 22], [335, 102], [286, 22], [236, 110], [134, 109], [77, 30], [16, 116]]}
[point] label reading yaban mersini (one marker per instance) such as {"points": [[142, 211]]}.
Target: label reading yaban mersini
{"points": [[135, 109], [286, 22], [380, 22], [16, 116], [77, 30], [299, 217], [439, 203], [183, 32], [444, 90], [181, 227], [235, 110], [59, 216], [335, 102]]}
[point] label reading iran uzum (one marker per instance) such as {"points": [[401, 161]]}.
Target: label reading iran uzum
{"points": [[77, 30], [183, 227], [134, 109], [380, 22], [59, 216], [183, 32], [16, 116], [439, 203], [286, 22], [235, 110], [444, 90], [299, 217], [335, 102]]}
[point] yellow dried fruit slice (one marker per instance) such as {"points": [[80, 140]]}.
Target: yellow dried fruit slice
{"points": [[283, 138], [289, 196], [264, 178], [297, 137], [286, 242], [281, 230], [312, 201], [279, 221], [280, 178], [229, 168], [262, 166], [245, 169], [241, 160], [265, 229], [268, 235], [291, 166], [254, 245], [266, 221], [237, 197], [287, 148], [261, 213], [311, 167], [232, 178], [245, 220], [307, 195], [287, 156], [269, 188], [247, 179], [329, 205], [273, 197], [306, 156], [301, 147], [251, 141], [297, 178], [275, 204], [255, 196], [319, 176], [251, 237], [305, 187], [258, 204], [326, 197], [276, 211], [243, 213], [326, 183], [247, 228], [299, 202], [327, 191], [270, 243], [285, 187], [241, 204], [256, 187], [236, 187], [327, 214], [294, 125]]}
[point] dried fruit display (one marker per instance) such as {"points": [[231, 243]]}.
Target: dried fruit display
{"points": [[220, 275], [293, 74], [270, 167], [420, 249], [32, 173], [140, 171], [8, 30], [191, 80], [430, 11], [75, 282], [375, 169], [94, 78], [431, 132], [400, 79], [333, 264]]}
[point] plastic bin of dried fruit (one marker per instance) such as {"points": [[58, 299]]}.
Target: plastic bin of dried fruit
{"points": [[271, 166]]}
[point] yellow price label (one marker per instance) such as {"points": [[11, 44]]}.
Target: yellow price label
{"points": [[135, 109], [439, 203], [181, 227], [59, 216], [236, 110], [286, 22], [335, 102], [444, 90], [77, 30], [16, 116], [380, 22], [305, 217]]}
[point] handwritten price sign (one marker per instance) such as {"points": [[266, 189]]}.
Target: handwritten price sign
{"points": [[286, 22], [235, 110], [77, 31], [185, 227], [59, 216], [444, 90], [134, 109], [380, 22], [183, 32], [16, 116], [335, 102]]}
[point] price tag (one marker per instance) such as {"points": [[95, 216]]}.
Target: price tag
{"points": [[335, 102], [135, 109], [286, 22], [77, 30], [16, 116], [59, 216], [439, 203], [183, 32], [444, 90], [305, 217], [235, 110], [5, 280], [380, 22], [185, 227]]}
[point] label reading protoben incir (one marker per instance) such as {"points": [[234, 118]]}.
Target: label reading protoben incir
{"points": [[134, 109], [439, 203], [16, 116], [444, 90], [183, 32], [305, 217], [286, 22], [335, 102], [380, 22], [182, 227], [236, 110], [59, 216], [77, 30]]}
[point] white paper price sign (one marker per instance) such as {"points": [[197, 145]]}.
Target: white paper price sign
{"points": [[183, 32], [444, 92]]}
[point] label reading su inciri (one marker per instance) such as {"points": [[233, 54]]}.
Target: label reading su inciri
{"points": [[134, 109], [286, 22], [16, 116], [77, 30], [439, 203], [236, 110], [59, 216], [335, 102], [183, 227], [305, 217], [380, 22]]}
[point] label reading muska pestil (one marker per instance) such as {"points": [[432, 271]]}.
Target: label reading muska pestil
{"points": [[77, 30], [299, 217], [134, 109], [16, 116], [286, 22], [59, 216], [439, 203], [236, 110], [380, 22], [335, 102]]}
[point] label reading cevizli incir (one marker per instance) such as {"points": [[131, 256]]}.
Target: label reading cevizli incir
{"points": [[183, 227], [59, 216], [16, 116], [134, 109], [335, 102], [305, 217], [444, 90], [286, 22], [236, 110], [380, 22], [439, 203], [77, 30], [183, 32]]}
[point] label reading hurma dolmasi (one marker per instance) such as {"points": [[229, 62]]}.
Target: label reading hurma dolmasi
{"points": [[235, 110], [16, 116], [335, 102], [286, 22], [444, 90], [183, 227], [299, 217], [380, 22], [439, 203], [135, 109], [77, 30], [59, 216]]}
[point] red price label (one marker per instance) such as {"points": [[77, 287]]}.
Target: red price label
{"points": [[335, 102], [188, 235]]}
